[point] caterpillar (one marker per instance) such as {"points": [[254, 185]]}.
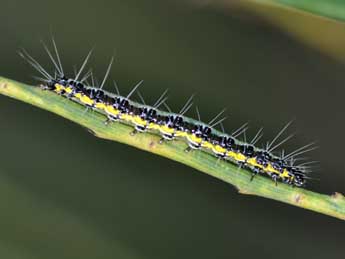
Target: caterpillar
{"points": [[170, 126]]}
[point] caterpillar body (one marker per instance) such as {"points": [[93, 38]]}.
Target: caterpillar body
{"points": [[170, 126]]}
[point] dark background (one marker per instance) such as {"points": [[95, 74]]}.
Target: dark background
{"points": [[66, 194]]}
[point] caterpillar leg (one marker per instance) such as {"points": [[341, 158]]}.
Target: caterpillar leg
{"points": [[255, 172], [188, 149], [86, 110], [166, 137], [275, 179], [134, 132], [107, 121]]}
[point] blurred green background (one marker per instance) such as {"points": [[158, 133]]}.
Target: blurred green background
{"points": [[66, 194]]}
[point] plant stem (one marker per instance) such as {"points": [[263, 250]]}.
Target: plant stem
{"points": [[332, 205]]}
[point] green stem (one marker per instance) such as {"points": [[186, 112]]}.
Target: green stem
{"points": [[332, 205]]}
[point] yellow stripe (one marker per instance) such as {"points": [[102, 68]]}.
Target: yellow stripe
{"points": [[139, 121], [166, 130], [194, 139], [126, 117], [59, 88], [153, 126], [86, 100], [218, 149], [109, 109], [68, 89], [180, 133], [206, 144], [100, 106]]}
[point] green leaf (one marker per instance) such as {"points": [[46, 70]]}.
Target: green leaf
{"points": [[334, 9], [333, 205], [317, 23]]}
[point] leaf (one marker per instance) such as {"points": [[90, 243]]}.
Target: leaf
{"points": [[175, 150], [334, 9], [317, 23]]}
